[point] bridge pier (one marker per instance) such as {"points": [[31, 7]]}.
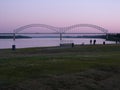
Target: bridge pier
{"points": [[13, 46], [106, 35], [13, 36], [60, 36]]}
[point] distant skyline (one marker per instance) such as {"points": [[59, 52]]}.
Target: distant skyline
{"points": [[59, 13]]}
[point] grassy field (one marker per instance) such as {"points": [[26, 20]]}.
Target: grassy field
{"points": [[92, 67]]}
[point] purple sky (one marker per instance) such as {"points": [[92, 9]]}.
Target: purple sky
{"points": [[16, 13]]}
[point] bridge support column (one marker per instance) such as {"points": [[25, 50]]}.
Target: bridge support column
{"points": [[13, 36], [13, 46], [60, 36], [106, 35]]}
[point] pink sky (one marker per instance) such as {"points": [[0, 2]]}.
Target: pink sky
{"points": [[16, 13]]}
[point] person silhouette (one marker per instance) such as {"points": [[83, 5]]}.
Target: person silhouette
{"points": [[94, 42], [90, 42]]}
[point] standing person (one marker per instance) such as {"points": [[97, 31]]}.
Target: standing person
{"points": [[94, 42], [90, 42]]}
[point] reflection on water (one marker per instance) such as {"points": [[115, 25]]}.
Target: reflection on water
{"points": [[45, 42]]}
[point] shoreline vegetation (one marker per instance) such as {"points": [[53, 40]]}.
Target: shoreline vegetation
{"points": [[20, 36], [11, 37], [89, 67], [109, 37]]}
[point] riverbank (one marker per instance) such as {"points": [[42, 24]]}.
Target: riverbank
{"points": [[89, 67]]}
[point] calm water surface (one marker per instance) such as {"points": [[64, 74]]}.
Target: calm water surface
{"points": [[45, 42]]}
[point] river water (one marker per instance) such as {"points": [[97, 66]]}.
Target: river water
{"points": [[45, 42]]}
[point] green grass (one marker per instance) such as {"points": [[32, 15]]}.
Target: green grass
{"points": [[25, 64]]}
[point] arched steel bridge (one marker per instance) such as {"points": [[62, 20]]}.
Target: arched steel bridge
{"points": [[60, 30]]}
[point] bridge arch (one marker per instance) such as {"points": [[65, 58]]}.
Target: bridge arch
{"points": [[36, 25], [61, 29], [86, 25]]}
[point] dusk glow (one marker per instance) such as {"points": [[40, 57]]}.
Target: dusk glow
{"points": [[59, 13]]}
